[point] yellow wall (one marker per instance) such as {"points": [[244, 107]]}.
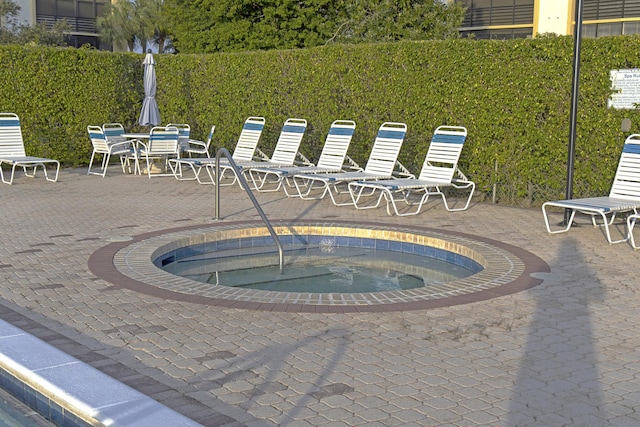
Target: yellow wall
{"points": [[553, 16]]}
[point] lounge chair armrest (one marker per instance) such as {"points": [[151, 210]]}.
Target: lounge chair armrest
{"points": [[121, 143], [120, 140], [143, 144], [303, 160], [133, 143], [261, 155], [461, 176], [352, 165], [199, 144], [402, 171]]}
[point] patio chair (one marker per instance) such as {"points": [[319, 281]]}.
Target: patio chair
{"points": [[244, 151], [163, 144], [381, 164], [12, 151], [332, 159], [200, 148], [624, 195], [188, 145], [439, 170], [184, 134], [194, 147], [102, 146], [284, 154], [114, 132]]}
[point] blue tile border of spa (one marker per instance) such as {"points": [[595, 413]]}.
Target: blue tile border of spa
{"points": [[506, 269], [316, 240]]}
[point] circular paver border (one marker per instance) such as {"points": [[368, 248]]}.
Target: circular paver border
{"points": [[129, 264]]}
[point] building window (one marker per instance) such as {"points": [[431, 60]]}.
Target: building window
{"points": [[631, 28], [481, 15], [45, 7], [610, 9], [484, 13], [86, 9], [594, 10], [610, 29], [66, 8], [80, 14]]}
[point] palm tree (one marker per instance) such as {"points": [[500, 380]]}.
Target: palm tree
{"points": [[157, 20], [126, 22], [116, 26]]}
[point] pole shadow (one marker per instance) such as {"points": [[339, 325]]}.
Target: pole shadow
{"points": [[558, 380]]}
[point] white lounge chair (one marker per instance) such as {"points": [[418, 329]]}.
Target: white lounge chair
{"points": [[13, 154], [284, 154], [332, 159], [439, 170], [163, 144], [623, 197], [380, 165], [102, 145], [244, 152]]}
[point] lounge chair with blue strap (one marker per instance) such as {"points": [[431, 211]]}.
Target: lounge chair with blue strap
{"points": [[623, 197], [332, 159], [244, 151], [12, 151], [439, 171], [381, 165], [284, 154]]}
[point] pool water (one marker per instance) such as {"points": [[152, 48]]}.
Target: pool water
{"points": [[320, 269], [14, 413]]}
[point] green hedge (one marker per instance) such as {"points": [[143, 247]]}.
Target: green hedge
{"points": [[513, 97]]}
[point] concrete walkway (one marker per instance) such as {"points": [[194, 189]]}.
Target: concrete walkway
{"points": [[562, 353]]}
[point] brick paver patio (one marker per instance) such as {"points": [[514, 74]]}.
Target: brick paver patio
{"points": [[560, 353]]}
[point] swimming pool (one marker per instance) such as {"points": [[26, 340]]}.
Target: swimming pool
{"points": [[14, 413]]}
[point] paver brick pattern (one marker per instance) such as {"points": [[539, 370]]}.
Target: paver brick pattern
{"points": [[561, 353]]}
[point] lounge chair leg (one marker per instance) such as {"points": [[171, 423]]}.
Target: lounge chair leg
{"points": [[545, 215], [631, 223]]}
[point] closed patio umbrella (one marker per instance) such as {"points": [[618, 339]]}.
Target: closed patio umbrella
{"points": [[150, 115]]}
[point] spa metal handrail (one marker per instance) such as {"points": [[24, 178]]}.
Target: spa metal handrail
{"points": [[245, 185]]}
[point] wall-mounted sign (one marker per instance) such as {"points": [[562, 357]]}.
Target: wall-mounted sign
{"points": [[626, 84]]}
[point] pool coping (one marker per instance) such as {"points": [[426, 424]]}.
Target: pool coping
{"points": [[128, 264], [70, 392]]}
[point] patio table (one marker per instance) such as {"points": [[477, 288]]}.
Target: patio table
{"points": [[137, 137]]}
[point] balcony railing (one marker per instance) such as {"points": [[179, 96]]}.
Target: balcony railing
{"points": [[78, 25]]}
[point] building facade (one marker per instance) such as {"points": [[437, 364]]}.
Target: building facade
{"points": [[484, 19], [505, 19], [80, 14]]}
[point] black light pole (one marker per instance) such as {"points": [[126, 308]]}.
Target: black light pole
{"points": [[574, 106]]}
